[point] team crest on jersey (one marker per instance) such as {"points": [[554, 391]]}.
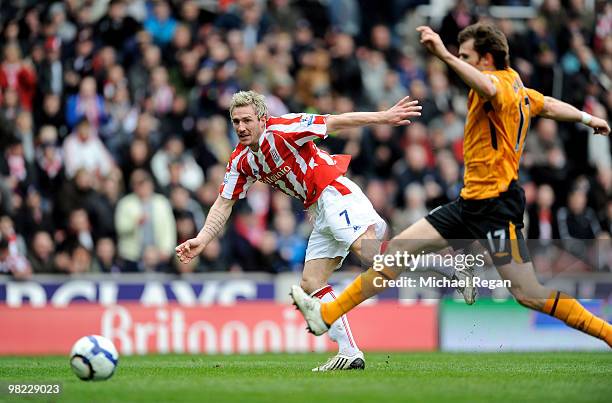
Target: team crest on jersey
{"points": [[517, 85], [275, 156], [307, 120]]}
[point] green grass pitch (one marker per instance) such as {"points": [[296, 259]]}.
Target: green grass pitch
{"points": [[283, 378]]}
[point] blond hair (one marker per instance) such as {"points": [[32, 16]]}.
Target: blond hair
{"points": [[244, 98]]}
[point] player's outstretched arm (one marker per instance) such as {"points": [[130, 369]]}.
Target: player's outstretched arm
{"points": [[562, 111], [215, 221], [470, 75], [398, 115]]}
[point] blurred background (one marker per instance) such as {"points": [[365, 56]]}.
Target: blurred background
{"points": [[110, 107]]}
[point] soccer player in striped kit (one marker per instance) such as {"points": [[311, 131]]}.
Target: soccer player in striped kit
{"points": [[280, 151]]}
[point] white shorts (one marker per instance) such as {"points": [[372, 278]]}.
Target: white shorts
{"points": [[339, 219]]}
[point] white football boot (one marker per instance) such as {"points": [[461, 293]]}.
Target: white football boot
{"points": [[342, 362], [469, 292], [311, 310]]}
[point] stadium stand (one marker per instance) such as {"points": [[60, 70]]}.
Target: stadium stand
{"points": [[99, 99]]}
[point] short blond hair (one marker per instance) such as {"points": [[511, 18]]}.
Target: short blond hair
{"points": [[244, 98]]}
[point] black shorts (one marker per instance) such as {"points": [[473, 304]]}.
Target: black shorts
{"points": [[496, 223]]}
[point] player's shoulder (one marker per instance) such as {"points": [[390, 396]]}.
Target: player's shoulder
{"points": [[506, 75], [295, 120], [240, 150], [285, 119], [509, 85]]}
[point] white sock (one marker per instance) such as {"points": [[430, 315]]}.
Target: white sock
{"points": [[339, 331]]}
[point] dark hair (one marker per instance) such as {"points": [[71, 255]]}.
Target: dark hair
{"points": [[82, 121], [488, 39]]}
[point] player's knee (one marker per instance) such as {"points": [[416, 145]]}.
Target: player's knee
{"points": [[311, 284], [367, 247]]}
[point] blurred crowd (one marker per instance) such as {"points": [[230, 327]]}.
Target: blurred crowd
{"points": [[115, 131]]}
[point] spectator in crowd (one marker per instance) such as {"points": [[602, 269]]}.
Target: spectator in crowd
{"points": [[213, 259], [79, 231], [450, 178], [183, 203], [76, 260], [13, 251], [51, 114], [66, 30], [138, 157], [345, 71], [16, 266], [415, 208], [162, 95], [160, 24], [190, 175], [10, 104], [139, 73], [25, 133], [14, 166], [84, 149], [87, 104], [33, 216], [80, 65], [105, 260], [142, 220], [413, 168], [42, 255], [542, 217], [457, 18], [545, 155], [151, 83], [577, 221], [117, 27], [186, 229], [122, 121], [290, 244], [51, 70], [18, 75]]}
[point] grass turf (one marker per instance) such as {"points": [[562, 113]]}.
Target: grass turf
{"points": [[418, 377]]}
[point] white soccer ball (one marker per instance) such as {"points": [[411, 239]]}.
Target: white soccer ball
{"points": [[94, 358]]}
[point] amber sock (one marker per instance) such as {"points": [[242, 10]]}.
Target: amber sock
{"points": [[362, 288], [570, 311]]}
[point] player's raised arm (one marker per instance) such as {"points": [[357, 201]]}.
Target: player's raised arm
{"points": [[215, 221], [398, 115], [562, 111], [478, 81]]}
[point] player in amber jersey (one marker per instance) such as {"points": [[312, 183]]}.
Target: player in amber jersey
{"points": [[491, 205], [495, 132]]}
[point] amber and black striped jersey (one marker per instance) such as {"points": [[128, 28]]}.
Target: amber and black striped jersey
{"points": [[495, 132]]}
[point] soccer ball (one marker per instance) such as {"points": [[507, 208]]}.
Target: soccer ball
{"points": [[94, 358]]}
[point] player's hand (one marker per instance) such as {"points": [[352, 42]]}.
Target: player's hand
{"points": [[600, 126], [399, 113], [189, 249], [432, 41]]}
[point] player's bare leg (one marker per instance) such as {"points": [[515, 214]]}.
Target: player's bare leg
{"points": [[418, 238], [528, 291], [314, 282], [367, 245]]}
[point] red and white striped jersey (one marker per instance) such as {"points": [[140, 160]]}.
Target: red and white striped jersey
{"points": [[287, 159]]}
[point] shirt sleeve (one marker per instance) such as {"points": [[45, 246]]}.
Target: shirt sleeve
{"points": [[300, 127], [235, 183], [536, 101]]}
